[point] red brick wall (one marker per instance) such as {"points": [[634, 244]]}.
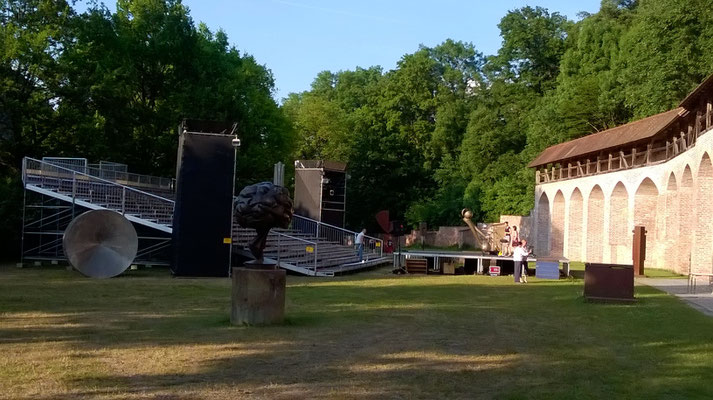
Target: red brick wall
{"points": [[595, 225], [619, 237], [574, 239], [685, 226], [557, 233], [702, 254], [542, 242], [645, 206], [669, 236]]}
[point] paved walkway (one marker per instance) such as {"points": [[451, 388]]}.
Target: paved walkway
{"points": [[702, 300]]}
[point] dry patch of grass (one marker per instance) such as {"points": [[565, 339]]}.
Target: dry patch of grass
{"points": [[149, 336]]}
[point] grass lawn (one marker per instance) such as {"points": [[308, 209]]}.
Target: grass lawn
{"points": [[146, 335], [577, 267]]}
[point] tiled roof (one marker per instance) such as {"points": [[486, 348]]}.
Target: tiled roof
{"points": [[618, 136]]}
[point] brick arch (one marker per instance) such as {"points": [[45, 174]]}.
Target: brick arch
{"points": [[685, 220], [574, 228], [557, 227], [669, 236], [619, 243], [645, 210], [542, 241], [702, 254], [595, 225]]}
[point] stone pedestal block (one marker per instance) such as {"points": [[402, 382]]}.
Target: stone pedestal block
{"points": [[258, 296]]}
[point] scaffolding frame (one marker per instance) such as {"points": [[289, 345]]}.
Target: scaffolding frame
{"points": [[45, 218]]}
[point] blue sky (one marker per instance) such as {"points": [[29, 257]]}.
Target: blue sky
{"points": [[297, 39]]}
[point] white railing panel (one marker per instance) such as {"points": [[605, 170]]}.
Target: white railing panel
{"points": [[98, 191]]}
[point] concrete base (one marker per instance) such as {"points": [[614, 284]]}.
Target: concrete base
{"points": [[258, 296]]}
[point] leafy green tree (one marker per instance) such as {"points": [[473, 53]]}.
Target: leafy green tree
{"points": [[524, 70], [665, 53], [115, 86], [31, 36], [588, 97], [533, 44]]}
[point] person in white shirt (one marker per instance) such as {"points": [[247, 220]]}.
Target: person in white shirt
{"points": [[360, 244], [518, 256]]}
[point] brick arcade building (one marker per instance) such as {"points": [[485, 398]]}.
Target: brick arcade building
{"points": [[657, 172]]}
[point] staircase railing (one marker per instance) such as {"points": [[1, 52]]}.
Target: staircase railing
{"points": [[131, 179], [101, 192], [311, 251], [306, 256], [118, 176], [372, 246]]}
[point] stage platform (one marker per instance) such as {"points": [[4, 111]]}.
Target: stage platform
{"points": [[440, 256]]}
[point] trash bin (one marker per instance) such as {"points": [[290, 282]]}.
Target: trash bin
{"points": [[609, 282]]}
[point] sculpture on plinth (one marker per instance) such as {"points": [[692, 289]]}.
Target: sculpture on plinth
{"points": [[263, 206]]}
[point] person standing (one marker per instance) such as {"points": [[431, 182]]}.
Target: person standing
{"points": [[519, 255], [525, 271], [514, 237], [360, 244]]}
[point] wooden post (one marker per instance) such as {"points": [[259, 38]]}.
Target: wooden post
{"points": [[537, 177], [609, 165], [633, 156], [709, 110], [683, 146], [667, 150], [580, 171], [623, 160], [598, 165], [648, 153], [639, 249], [587, 169], [691, 136]]}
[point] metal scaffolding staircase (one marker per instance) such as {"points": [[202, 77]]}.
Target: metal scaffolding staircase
{"points": [[66, 188], [314, 248], [58, 189], [95, 193]]}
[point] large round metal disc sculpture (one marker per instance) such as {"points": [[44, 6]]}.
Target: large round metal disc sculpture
{"points": [[263, 206], [100, 243]]}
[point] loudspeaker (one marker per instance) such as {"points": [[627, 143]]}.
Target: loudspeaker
{"points": [[204, 198], [320, 190]]}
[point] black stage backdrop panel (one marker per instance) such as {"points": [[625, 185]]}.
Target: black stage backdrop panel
{"points": [[204, 197]]}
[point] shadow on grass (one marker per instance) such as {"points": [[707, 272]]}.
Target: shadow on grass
{"points": [[424, 337]]}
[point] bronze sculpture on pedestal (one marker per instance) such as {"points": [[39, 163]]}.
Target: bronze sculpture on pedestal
{"points": [[263, 206]]}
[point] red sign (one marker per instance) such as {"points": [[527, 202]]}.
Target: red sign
{"points": [[494, 271]]}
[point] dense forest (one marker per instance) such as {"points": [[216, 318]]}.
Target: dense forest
{"points": [[115, 86], [449, 127]]}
